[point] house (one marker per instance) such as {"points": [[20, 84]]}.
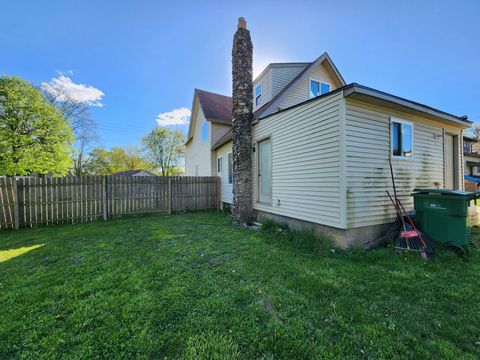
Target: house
{"points": [[134, 173], [321, 149], [471, 155]]}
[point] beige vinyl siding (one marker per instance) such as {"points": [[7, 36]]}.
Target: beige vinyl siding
{"points": [[305, 159], [217, 131], [282, 75], [226, 188], [266, 81], [301, 92], [198, 153], [367, 139]]}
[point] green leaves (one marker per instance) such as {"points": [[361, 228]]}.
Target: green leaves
{"points": [[34, 137], [164, 149]]}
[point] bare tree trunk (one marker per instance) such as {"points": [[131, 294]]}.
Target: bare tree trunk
{"points": [[242, 96]]}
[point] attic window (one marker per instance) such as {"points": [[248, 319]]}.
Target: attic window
{"points": [[258, 94], [205, 132], [318, 88], [402, 138]]}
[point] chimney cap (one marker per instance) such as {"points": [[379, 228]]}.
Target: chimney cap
{"points": [[242, 23]]}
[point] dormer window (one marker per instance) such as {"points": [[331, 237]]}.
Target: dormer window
{"points": [[318, 88], [258, 94]]}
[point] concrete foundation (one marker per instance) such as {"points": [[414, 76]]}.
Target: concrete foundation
{"points": [[342, 238]]}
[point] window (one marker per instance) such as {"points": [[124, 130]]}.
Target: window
{"points": [[258, 95], [318, 88], [205, 131], [197, 167], [402, 138], [264, 172], [230, 168], [219, 165]]}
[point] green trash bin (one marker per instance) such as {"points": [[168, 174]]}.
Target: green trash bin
{"points": [[443, 214]]}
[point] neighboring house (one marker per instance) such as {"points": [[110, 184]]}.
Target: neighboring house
{"points": [[471, 155], [134, 173], [322, 149]]}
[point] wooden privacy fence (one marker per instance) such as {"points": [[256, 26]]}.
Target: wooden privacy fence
{"points": [[30, 201]]}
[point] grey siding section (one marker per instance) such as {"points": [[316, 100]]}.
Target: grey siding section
{"points": [[305, 161], [283, 75], [367, 132]]}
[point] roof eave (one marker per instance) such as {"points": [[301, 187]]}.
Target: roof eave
{"points": [[354, 88]]}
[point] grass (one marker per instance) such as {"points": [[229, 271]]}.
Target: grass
{"points": [[195, 286]]}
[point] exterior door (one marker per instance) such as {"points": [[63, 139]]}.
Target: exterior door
{"points": [[264, 172], [450, 162]]}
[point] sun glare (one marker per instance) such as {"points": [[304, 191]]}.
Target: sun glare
{"points": [[11, 253]]}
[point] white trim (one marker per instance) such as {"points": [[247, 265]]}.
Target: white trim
{"points": [[406, 122]]}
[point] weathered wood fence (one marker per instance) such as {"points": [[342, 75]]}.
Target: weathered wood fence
{"points": [[29, 201]]}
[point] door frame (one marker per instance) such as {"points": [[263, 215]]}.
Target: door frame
{"points": [[456, 160], [259, 198]]}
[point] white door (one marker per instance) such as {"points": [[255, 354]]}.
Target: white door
{"points": [[450, 162], [264, 172]]}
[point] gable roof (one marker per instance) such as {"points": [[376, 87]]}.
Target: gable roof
{"points": [[273, 104], [216, 108]]}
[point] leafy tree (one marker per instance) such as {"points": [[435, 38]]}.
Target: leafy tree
{"points": [[164, 148], [83, 125], [106, 162], [34, 136]]}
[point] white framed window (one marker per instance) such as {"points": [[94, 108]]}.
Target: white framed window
{"points": [[258, 94], [219, 164], [401, 138], [230, 168], [205, 131], [318, 88]]}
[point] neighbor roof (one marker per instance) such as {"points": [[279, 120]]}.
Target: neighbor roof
{"points": [[133, 173]]}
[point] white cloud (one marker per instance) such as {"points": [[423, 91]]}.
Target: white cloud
{"points": [[65, 89], [178, 116]]}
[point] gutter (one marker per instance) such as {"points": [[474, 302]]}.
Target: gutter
{"points": [[364, 90]]}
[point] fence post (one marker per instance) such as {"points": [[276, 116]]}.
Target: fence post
{"points": [[104, 197], [16, 205], [169, 195]]}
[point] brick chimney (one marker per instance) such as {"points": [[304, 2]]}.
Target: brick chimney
{"points": [[242, 114]]}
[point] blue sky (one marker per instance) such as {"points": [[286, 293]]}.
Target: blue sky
{"points": [[146, 57]]}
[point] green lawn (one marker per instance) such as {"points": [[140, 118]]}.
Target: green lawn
{"points": [[195, 286]]}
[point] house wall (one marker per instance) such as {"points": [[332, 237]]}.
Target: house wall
{"points": [[226, 188], [301, 92], [198, 153], [305, 161], [367, 150], [283, 74]]}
